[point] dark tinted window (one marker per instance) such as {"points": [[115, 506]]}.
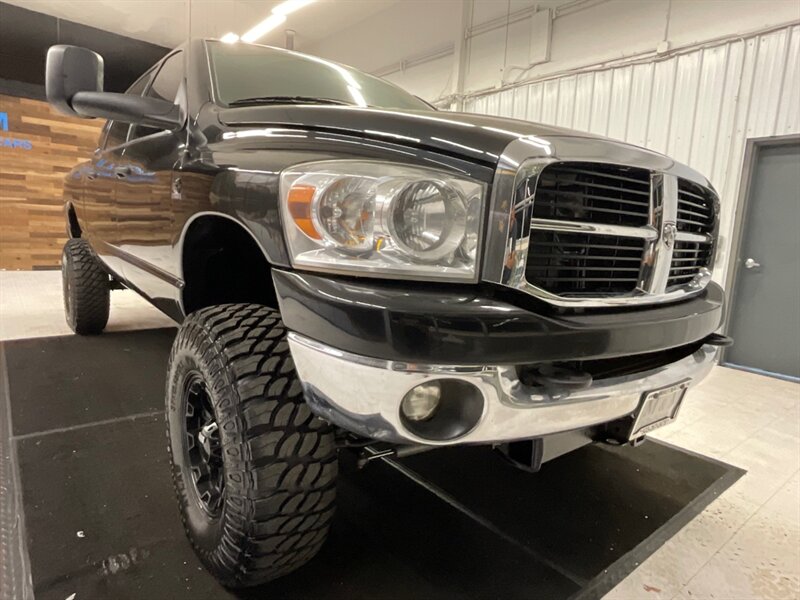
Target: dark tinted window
{"points": [[102, 139], [245, 71], [118, 131], [137, 88], [165, 85], [117, 134]]}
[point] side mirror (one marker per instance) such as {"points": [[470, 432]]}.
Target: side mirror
{"points": [[74, 87], [71, 70]]}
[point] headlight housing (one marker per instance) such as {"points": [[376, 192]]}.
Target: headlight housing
{"points": [[382, 219]]}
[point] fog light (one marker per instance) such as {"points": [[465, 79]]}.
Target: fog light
{"points": [[422, 401]]}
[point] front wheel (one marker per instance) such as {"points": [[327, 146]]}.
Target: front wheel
{"points": [[254, 469]]}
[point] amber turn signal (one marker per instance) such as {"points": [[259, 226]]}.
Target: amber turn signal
{"points": [[299, 204]]}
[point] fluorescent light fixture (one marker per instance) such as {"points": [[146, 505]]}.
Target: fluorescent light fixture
{"points": [[288, 7], [278, 17], [267, 25], [229, 38]]}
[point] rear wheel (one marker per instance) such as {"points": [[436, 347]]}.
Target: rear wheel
{"points": [[87, 292], [254, 469]]}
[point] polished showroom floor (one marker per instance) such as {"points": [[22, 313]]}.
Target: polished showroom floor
{"points": [[745, 544]]}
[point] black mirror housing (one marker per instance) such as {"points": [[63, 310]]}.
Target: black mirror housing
{"points": [[128, 108], [70, 70], [74, 87]]}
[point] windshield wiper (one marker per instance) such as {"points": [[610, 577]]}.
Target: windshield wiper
{"points": [[287, 100]]}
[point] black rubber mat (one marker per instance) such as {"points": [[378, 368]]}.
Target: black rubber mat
{"points": [[101, 519]]}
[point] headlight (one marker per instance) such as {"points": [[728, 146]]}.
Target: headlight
{"points": [[382, 219]]}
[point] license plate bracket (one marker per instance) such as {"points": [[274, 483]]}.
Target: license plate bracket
{"points": [[657, 408]]}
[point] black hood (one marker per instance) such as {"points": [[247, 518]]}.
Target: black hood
{"points": [[477, 137]]}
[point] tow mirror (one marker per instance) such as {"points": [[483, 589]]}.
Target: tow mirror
{"points": [[74, 87], [71, 70]]}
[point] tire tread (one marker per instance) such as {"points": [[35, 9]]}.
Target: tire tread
{"points": [[286, 454], [91, 300]]}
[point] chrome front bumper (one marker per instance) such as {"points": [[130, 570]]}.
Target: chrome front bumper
{"points": [[363, 395]]}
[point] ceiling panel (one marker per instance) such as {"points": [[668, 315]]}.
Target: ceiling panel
{"points": [[169, 22]]}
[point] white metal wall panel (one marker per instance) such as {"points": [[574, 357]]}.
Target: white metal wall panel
{"points": [[770, 62], [639, 108], [620, 103], [699, 107], [550, 101], [788, 113], [660, 115], [535, 95], [566, 104], [601, 102], [583, 102], [506, 104], [520, 110], [709, 98], [727, 115], [684, 106]]}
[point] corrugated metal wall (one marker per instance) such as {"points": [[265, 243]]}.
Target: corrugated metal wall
{"points": [[699, 107]]}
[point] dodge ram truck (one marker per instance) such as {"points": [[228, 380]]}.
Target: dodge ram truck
{"points": [[351, 267]]}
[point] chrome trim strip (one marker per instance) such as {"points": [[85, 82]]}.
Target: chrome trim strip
{"points": [[645, 233], [363, 394], [509, 226], [702, 238], [663, 216]]}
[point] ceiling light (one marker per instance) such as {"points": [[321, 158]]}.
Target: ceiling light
{"points": [[267, 25], [229, 38], [288, 7]]}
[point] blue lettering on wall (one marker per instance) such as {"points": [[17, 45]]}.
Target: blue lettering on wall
{"points": [[13, 143]]}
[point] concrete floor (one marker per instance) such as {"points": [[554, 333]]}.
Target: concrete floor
{"points": [[746, 544]]}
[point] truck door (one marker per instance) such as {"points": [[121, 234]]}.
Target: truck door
{"points": [[99, 181], [143, 195], [98, 187]]}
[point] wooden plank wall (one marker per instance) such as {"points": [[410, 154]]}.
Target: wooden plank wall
{"points": [[37, 150]]}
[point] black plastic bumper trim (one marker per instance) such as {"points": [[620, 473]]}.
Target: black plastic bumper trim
{"points": [[458, 325]]}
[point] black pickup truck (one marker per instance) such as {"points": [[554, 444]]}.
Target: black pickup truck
{"points": [[353, 268]]}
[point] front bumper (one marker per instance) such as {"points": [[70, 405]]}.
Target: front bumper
{"points": [[363, 395], [475, 325]]}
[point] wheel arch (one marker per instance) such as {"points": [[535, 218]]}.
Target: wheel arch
{"points": [[222, 261], [73, 226]]}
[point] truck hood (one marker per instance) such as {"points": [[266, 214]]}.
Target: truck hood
{"points": [[477, 137]]}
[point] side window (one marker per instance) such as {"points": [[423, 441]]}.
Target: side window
{"points": [[101, 141], [165, 87], [117, 130], [117, 134]]}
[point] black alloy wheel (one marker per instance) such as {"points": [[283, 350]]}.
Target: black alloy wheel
{"points": [[203, 450], [254, 469]]}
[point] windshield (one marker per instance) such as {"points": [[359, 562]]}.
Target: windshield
{"points": [[247, 73]]}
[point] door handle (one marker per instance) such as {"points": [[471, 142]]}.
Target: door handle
{"points": [[751, 264], [122, 171]]}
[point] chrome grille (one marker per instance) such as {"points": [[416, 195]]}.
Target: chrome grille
{"points": [[695, 208], [603, 231], [688, 258], [573, 220], [577, 264], [594, 193]]}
